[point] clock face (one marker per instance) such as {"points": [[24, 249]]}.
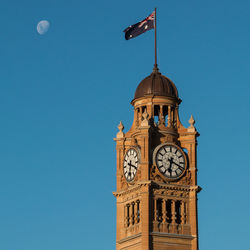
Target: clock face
{"points": [[170, 161], [130, 164]]}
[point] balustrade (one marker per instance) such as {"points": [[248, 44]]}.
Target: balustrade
{"points": [[164, 115], [169, 215], [132, 213]]}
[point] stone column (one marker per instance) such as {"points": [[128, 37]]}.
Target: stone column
{"points": [[173, 218], [138, 211], [132, 213], [169, 117], [164, 216]]}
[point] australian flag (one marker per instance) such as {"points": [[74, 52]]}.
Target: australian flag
{"points": [[141, 27]]}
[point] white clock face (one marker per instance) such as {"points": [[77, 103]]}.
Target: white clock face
{"points": [[130, 164], [170, 161]]}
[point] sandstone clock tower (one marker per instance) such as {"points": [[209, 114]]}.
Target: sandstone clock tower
{"points": [[156, 172]]}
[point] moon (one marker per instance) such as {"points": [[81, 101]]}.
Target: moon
{"points": [[42, 27]]}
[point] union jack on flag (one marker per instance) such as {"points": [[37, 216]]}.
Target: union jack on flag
{"points": [[140, 27]]}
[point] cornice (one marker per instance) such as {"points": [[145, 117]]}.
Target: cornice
{"points": [[157, 185], [132, 189], [176, 187], [129, 238], [182, 236]]}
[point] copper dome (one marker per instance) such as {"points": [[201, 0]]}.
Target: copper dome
{"points": [[157, 85]]}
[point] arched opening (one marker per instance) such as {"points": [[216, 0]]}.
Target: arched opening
{"points": [[165, 115], [156, 114]]}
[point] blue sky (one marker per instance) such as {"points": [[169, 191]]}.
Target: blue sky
{"points": [[63, 94]]}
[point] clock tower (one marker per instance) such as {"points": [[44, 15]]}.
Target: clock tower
{"points": [[157, 172]]}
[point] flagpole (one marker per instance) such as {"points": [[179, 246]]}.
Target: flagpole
{"points": [[155, 66]]}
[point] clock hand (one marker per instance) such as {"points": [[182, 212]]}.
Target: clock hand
{"points": [[129, 163], [177, 164], [170, 165], [129, 172]]}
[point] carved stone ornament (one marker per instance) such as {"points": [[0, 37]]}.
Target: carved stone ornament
{"points": [[134, 141], [145, 121], [191, 121], [120, 134], [175, 193], [156, 176], [123, 182], [168, 138], [186, 180]]}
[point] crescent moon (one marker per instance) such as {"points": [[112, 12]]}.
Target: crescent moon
{"points": [[42, 27]]}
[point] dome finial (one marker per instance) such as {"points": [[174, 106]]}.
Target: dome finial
{"points": [[155, 69]]}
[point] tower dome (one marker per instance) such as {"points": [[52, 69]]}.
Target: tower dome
{"points": [[157, 85]]}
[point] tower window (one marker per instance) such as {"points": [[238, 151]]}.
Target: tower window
{"points": [[178, 212], [156, 114], [128, 215], [169, 211], [165, 114], [159, 210]]}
